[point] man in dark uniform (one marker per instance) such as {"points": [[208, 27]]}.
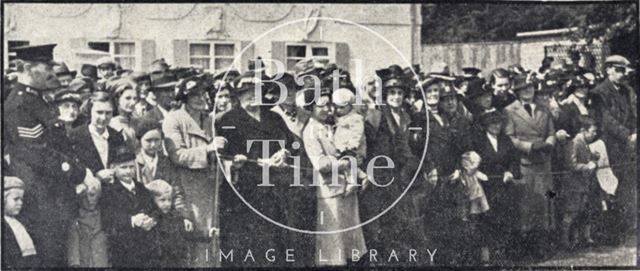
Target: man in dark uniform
{"points": [[615, 104], [32, 135]]}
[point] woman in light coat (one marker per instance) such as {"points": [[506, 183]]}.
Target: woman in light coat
{"points": [[190, 145], [337, 210]]}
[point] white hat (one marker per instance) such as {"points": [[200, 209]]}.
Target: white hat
{"points": [[106, 60], [342, 97]]}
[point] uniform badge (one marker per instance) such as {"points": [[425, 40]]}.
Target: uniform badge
{"points": [[65, 167]]}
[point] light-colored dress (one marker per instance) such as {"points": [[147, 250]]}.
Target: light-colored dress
{"points": [[336, 210]]}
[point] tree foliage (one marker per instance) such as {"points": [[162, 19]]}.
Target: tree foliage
{"points": [[471, 22]]}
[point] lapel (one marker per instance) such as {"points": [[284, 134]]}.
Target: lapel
{"points": [[192, 127], [532, 122], [90, 147], [125, 194], [487, 144]]}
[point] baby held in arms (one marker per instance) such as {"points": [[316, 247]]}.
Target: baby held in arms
{"points": [[349, 137]]}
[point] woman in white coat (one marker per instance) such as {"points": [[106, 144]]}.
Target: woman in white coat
{"points": [[337, 209]]}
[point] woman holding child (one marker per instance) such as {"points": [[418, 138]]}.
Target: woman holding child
{"points": [[337, 205]]}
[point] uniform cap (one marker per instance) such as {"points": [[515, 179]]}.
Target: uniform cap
{"points": [[40, 53]]}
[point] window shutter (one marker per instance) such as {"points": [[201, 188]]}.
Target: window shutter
{"points": [[247, 55], [278, 54], [180, 53], [342, 55], [147, 53]]}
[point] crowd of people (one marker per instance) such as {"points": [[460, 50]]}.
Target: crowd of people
{"points": [[111, 167]]}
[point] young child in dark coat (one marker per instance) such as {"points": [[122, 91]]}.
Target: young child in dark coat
{"points": [[168, 237], [126, 208], [18, 250]]}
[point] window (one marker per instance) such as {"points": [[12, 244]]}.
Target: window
{"points": [[124, 53], [13, 44], [297, 52], [212, 57]]}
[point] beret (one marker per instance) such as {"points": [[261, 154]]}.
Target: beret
{"points": [[146, 125]]}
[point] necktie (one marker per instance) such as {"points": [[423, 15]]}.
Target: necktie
{"points": [[529, 109]]}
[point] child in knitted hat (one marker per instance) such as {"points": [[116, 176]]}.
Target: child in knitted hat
{"points": [[349, 137], [18, 249]]}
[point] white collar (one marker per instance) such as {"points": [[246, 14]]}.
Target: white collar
{"points": [[129, 186], [148, 159], [93, 130], [22, 236]]}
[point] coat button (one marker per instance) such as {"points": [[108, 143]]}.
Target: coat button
{"points": [[65, 167]]}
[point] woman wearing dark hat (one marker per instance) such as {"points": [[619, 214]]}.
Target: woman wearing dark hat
{"points": [[449, 138], [125, 98], [500, 164], [246, 127], [479, 97], [190, 143], [387, 134], [68, 104]]}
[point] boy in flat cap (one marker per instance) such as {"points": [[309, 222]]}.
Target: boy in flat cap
{"points": [[18, 247]]}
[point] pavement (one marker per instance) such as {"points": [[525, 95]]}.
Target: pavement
{"points": [[598, 255]]}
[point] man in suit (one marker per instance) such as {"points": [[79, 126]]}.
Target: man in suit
{"points": [[530, 127], [36, 154], [615, 104], [126, 206]]}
